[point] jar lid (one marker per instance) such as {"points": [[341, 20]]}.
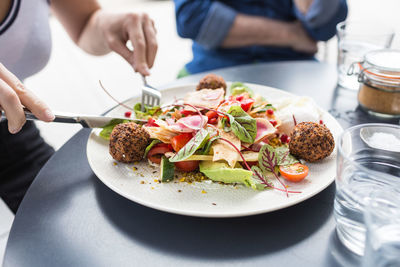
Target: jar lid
{"points": [[385, 60]]}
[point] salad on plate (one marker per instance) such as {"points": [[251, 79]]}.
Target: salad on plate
{"points": [[227, 135]]}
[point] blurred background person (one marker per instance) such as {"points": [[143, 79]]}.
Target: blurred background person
{"points": [[227, 33], [25, 47]]}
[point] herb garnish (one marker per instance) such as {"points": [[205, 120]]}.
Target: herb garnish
{"points": [[107, 129], [190, 148], [148, 111], [271, 158], [153, 143], [242, 124]]}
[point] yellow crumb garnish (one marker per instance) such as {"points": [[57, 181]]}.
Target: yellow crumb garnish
{"points": [[115, 164], [182, 179], [156, 181], [134, 168], [203, 191], [152, 187]]}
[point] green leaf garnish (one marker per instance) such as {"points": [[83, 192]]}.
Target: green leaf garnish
{"points": [[107, 129], [148, 111], [265, 108], [207, 146], [238, 88], [153, 143], [242, 124], [260, 181], [190, 148], [284, 157]]}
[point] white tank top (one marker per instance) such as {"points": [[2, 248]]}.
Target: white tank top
{"points": [[25, 41]]}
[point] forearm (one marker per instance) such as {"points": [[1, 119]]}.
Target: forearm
{"points": [[77, 17], [252, 30], [92, 40]]}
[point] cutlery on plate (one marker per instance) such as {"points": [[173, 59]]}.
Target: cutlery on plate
{"points": [[87, 121], [150, 95]]}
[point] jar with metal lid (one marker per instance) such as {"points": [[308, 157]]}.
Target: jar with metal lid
{"points": [[379, 78]]}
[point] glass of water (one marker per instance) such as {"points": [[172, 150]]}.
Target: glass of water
{"points": [[355, 39], [368, 159], [382, 219]]}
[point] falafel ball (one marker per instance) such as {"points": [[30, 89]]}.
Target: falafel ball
{"points": [[211, 81], [128, 142], [311, 141]]}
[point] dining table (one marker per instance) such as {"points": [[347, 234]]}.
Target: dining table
{"points": [[70, 218]]}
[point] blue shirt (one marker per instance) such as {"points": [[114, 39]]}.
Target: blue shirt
{"points": [[207, 22]]}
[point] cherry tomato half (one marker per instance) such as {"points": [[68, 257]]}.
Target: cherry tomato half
{"points": [[211, 114], [187, 166], [157, 151], [295, 172], [186, 113], [180, 141], [246, 104]]}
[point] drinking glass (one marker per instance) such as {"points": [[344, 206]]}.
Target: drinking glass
{"points": [[382, 220], [355, 39], [368, 159]]}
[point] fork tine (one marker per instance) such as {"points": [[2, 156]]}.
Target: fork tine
{"points": [[143, 96]]}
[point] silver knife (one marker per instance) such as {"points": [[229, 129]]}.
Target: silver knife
{"points": [[87, 121]]}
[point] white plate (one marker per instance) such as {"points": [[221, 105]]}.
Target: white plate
{"points": [[204, 199]]}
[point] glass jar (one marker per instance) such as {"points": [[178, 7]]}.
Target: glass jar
{"points": [[379, 78]]}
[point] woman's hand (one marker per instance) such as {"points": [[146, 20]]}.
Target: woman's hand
{"points": [[14, 96], [99, 32], [118, 29]]}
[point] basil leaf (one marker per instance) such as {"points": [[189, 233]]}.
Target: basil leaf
{"points": [[190, 148], [242, 124], [238, 88], [107, 129], [153, 143], [284, 157]]}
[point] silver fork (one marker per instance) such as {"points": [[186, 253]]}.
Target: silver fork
{"points": [[150, 95]]}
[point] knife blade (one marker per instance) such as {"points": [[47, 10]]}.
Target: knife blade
{"points": [[87, 121]]}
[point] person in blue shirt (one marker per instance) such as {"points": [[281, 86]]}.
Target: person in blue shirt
{"points": [[234, 32]]}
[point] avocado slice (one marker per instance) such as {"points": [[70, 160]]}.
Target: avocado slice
{"points": [[167, 170], [221, 172]]}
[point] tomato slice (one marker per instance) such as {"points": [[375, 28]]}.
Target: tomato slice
{"points": [[295, 172], [246, 104], [180, 141], [157, 151], [187, 166]]}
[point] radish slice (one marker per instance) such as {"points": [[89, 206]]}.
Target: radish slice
{"points": [[194, 122], [264, 129]]}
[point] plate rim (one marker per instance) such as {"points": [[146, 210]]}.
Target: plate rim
{"points": [[205, 214]]}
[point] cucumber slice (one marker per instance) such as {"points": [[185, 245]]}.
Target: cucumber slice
{"points": [[167, 170]]}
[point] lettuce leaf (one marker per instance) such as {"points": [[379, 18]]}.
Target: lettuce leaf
{"points": [[107, 129], [148, 111], [238, 88]]}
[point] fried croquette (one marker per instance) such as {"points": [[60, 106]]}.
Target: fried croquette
{"points": [[128, 142], [311, 141], [211, 81]]}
